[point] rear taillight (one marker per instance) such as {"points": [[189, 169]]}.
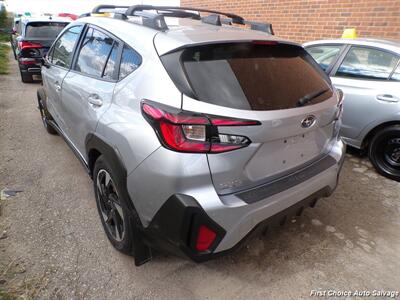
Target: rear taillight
{"points": [[27, 61], [185, 131], [29, 45], [340, 96]]}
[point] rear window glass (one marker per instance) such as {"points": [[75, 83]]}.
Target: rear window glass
{"points": [[254, 76], [46, 30]]}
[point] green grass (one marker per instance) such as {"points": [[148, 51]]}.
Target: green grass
{"points": [[5, 296], [4, 37], [4, 58]]}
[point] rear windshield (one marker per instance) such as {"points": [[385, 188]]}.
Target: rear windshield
{"points": [[254, 76], [46, 30]]}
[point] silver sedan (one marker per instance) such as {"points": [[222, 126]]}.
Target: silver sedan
{"points": [[368, 72]]}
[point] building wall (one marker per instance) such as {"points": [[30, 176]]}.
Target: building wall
{"points": [[305, 20]]}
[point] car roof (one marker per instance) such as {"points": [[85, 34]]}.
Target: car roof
{"points": [[181, 32], [27, 20], [392, 45]]}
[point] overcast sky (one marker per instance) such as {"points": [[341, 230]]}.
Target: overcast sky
{"points": [[73, 6]]}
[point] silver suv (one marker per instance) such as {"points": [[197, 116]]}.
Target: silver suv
{"points": [[196, 132]]}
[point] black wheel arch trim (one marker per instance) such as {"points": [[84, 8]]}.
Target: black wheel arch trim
{"points": [[94, 142]]}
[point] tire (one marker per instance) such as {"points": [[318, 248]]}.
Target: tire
{"points": [[384, 152], [113, 206], [26, 78], [45, 115]]}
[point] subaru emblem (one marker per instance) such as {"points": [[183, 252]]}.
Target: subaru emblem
{"points": [[308, 122]]}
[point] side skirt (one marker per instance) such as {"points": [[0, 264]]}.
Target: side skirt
{"points": [[69, 143]]}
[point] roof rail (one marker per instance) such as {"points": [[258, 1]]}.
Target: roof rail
{"points": [[157, 21], [151, 20], [266, 27], [212, 19], [135, 8], [107, 8]]}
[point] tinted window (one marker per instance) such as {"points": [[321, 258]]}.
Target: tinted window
{"points": [[110, 67], [19, 27], [254, 76], [46, 30], [396, 74], [94, 53], [324, 55], [63, 48], [16, 26], [130, 61], [367, 63]]}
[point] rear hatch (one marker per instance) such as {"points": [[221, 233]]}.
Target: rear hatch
{"points": [[39, 36], [277, 84]]}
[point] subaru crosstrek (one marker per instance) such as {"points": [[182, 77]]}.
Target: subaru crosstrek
{"points": [[196, 133]]}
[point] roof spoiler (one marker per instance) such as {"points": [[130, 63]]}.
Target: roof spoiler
{"points": [[156, 20]]}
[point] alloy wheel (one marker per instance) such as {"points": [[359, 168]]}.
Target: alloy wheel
{"points": [[392, 152], [110, 205]]}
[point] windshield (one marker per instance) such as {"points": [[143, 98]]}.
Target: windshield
{"points": [[44, 30], [254, 76]]}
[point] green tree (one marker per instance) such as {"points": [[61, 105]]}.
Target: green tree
{"points": [[3, 18]]}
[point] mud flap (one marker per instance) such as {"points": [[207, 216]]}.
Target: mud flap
{"points": [[143, 253]]}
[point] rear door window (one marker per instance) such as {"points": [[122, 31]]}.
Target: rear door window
{"points": [[111, 63], [94, 53], [396, 74], [255, 76], [325, 55], [43, 30], [61, 54], [367, 63]]}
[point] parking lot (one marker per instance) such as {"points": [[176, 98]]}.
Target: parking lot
{"points": [[52, 237]]}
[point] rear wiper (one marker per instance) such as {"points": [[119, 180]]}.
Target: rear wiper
{"points": [[307, 98]]}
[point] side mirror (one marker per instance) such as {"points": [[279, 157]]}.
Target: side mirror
{"points": [[45, 62], [13, 31]]}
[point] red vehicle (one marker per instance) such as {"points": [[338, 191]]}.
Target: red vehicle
{"points": [[68, 15]]}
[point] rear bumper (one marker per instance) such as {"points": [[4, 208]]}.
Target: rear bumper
{"points": [[241, 219], [175, 225], [33, 68]]}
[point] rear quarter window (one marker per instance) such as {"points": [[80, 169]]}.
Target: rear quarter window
{"points": [[130, 61], [253, 76]]}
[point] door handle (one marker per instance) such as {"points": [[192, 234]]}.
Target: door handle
{"points": [[95, 100], [57, 86], [387, 98]]}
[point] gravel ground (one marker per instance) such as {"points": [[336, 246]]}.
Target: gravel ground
{"points": [[54, 246]]}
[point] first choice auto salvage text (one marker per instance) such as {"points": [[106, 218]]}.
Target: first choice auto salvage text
{"points": [[354, 293]]}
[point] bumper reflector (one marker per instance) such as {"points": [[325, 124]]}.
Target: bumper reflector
{"points": [[205, 238]]}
